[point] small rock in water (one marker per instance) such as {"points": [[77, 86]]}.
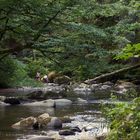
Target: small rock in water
{"points": [[62, 102], [2, 98], [75, 129], [12, 101], [81, 101], [66, 132]]}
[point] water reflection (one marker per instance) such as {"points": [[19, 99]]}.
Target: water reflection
{"points": [[12, 114]]}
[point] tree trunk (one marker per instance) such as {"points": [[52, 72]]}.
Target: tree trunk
{"points": [[110, 76]]}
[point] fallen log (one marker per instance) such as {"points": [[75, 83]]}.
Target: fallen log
{"points": [[111, 75]]}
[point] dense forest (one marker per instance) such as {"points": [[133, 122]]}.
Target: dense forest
{"points": [[81, 40]]}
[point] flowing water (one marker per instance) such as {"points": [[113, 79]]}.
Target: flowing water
{"points": [[82, 114], [12, 114]]}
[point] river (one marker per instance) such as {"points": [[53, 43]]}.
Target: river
{"points": [[12, 114]]}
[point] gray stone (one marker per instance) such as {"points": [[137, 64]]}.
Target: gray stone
{"points": [[105, 87], [75, 129], [2, 103], [66, 132], [62, 102], [2, 98], [55, 123], [81, 101]]}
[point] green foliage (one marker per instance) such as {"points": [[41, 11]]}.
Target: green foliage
{"points": [[84, 65], [64, 32], [129, 51], [12, 73], [124, 121], [35, 66]]}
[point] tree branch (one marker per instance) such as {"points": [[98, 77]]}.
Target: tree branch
{"points": [[37, 36]]}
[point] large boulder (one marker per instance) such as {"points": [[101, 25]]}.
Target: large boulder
{"points": [[24, 123], [62, 80], [12, 101], [55, 123], [62, 102]]}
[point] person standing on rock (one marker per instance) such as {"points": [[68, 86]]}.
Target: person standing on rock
{"points": [[37, 77]]}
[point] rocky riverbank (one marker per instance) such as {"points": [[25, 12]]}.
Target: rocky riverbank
{"points": [[121, 89], [75, 127], [80, 127]]}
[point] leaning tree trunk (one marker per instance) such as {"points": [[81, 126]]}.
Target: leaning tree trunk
{"points": [[110, 76]]}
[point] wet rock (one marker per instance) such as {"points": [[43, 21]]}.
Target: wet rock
{"points": [[90, 128], [43, 119], [62, 80], [47, 103], [108, 83], [123, 84], [95, 86], [2, 103], [12, 101], [62, 102], [27, 122], [75, 129], [102, 90], [66, 132], [105, 87], [55, 123], [82, 89], [81, 101], [43, 133], [2, 98], [123, 89]]}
